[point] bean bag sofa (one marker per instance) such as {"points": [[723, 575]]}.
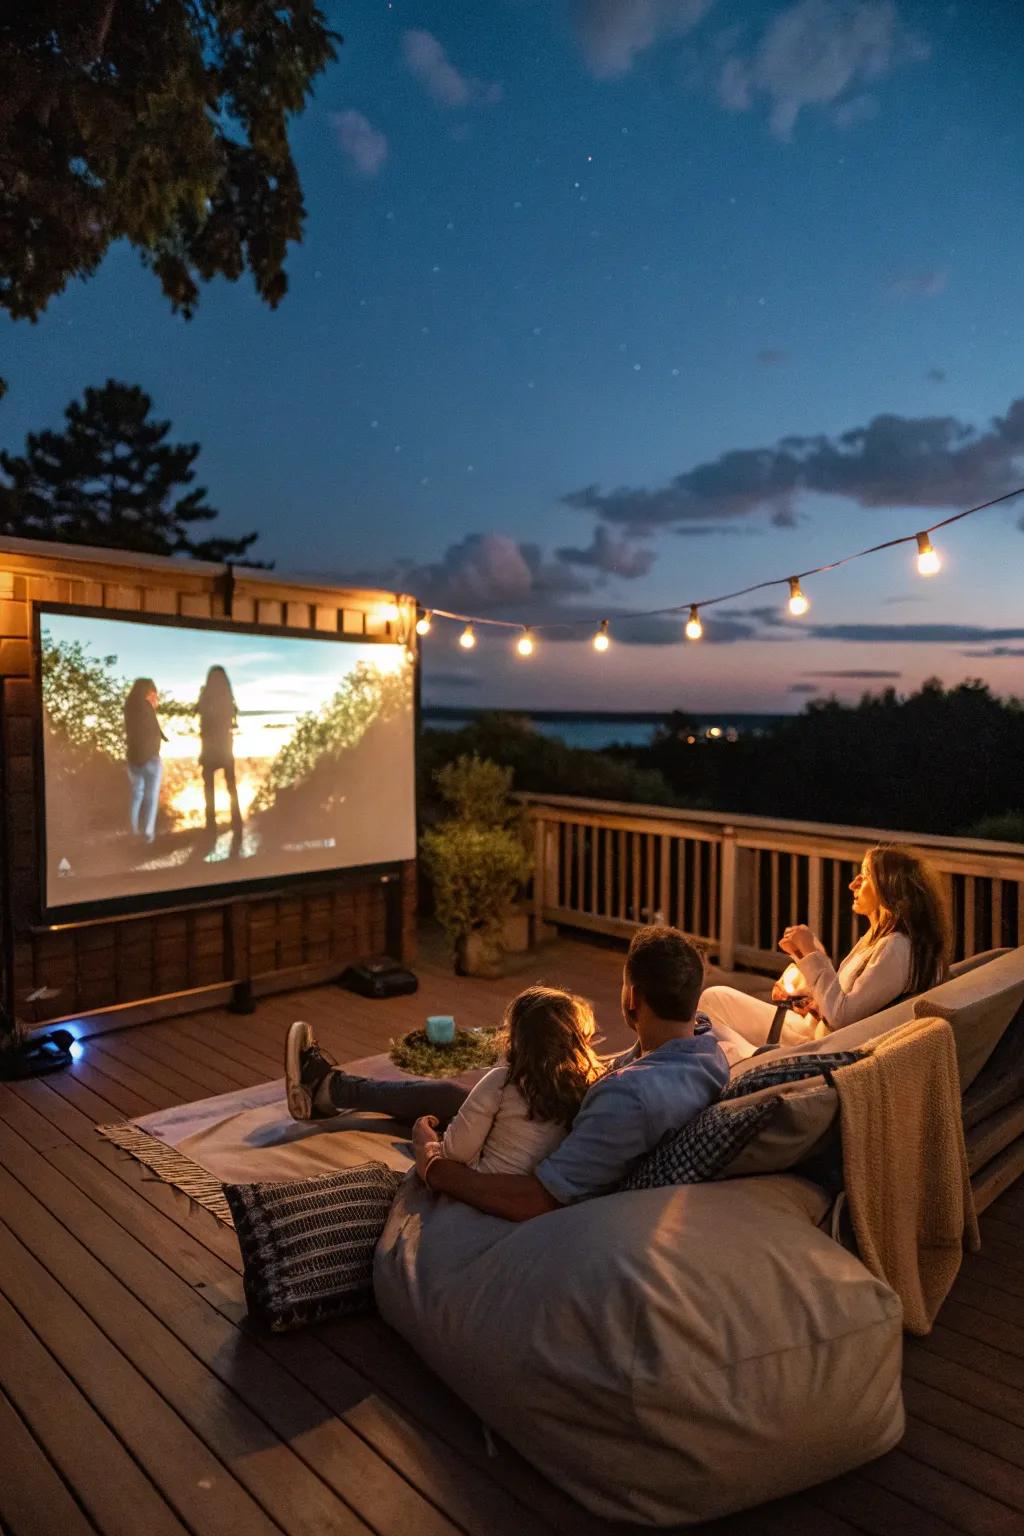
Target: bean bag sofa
{"points": [[664, 1355]]}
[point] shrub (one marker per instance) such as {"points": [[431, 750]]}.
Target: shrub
{"points": [[476, 872]]}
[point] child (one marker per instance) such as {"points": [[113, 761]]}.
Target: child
{"points": [[520, 1112]]}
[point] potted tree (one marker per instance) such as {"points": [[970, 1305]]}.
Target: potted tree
{"points": [[477, 861]]}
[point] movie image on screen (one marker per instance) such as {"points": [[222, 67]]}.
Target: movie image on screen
{"points": [[177, 756]]}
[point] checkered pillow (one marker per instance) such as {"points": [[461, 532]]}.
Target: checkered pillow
{"points": [[307, 1246], [701, 1149], [790, 1069]]}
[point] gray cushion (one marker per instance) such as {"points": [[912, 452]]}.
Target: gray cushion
{"points": [[664, 1355]]}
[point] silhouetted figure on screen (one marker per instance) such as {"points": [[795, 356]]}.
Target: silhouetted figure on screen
{"points": [[217, 720], [143, 739]]}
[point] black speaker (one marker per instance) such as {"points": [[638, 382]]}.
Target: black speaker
{"points": [[379, 976]]}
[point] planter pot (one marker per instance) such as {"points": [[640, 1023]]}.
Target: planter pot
{"points": [[478, 955], [515, 933]]}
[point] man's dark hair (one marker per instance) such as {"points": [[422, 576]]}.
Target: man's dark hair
{"points": [[667, 969]]}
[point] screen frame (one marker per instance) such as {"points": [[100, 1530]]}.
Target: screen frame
{"points": [[209, 895]]}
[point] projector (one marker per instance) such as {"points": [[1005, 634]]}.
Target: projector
{"points": [[379, 976]]}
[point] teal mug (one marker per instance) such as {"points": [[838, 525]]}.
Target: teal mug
{"points": [[440, 1029]]}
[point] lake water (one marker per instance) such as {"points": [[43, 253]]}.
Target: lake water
{"points": [[596, 731]]}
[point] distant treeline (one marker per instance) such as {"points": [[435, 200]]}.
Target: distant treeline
{"points": [[945, 761]]}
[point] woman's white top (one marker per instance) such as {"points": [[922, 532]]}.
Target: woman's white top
{"points": [[867, 981], [493, 1132]]}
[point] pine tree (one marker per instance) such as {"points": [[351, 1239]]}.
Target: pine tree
{"points": [[162, 124], [110, 479]]}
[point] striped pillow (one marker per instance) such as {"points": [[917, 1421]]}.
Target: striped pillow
{"points": [[702, 1148], [307, 1246]]}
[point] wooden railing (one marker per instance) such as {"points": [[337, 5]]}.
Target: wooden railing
{"points": [[734, 882]]}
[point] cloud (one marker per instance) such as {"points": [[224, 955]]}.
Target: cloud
{"points": [[365, 146], [612, 33], [426, 59], [804, 688], [770, 357], [996, 650], [432, 679], [925, 284], [861, 674], [858, 109], [927, 461], [482, 573], [936, 375], [910, 634], [615, 557], [818, 53]]}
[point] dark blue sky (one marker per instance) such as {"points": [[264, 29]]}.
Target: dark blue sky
{"points": [[602, 251]]}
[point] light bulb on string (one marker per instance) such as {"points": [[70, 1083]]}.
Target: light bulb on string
{"points": [[694, 627], [423, 623], [928, 562], [524, 645], [798, 603], [468, 638], [602, 640], [388, 612]]}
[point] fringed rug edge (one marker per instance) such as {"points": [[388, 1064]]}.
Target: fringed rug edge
{"points": [[171, 1167]]}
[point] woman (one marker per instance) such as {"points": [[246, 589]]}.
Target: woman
{"points": [[217, 720], [905, 951], [143, 738]]}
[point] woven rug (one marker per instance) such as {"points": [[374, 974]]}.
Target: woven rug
{"points": [[248, 1137]]}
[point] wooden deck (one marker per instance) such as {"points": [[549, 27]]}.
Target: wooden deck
{"points": [[133, 1403]]}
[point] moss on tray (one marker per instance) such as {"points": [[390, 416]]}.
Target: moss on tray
{"points": [[471, 1048]]}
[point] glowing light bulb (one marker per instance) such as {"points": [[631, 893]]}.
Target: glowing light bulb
{"points": [[798, 604], [602, 640], [694, 627], [524, 645], [423, 624], [928, 562], [467, 639], [388, 612]]}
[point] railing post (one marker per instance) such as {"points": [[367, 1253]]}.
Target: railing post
{"points": [[538, 869], [727, 902], [815, 908]]}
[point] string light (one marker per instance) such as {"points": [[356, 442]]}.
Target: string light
{"points": [[389, 612], [423, 624], [928, 562]]}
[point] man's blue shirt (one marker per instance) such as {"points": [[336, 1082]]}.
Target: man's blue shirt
{"points": [[626, 1113]]}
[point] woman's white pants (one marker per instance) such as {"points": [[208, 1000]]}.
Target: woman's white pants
{"points": [[741, 1023]]}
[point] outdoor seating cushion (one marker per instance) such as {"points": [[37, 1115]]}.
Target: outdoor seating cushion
{"points": [[665, 1355], [704, 1146], [307, 1245], [978, 1003]]}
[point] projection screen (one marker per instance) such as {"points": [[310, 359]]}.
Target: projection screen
{"points": [[179, 755]]}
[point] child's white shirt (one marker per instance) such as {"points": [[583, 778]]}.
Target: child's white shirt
{"points": [[493, 1132]]}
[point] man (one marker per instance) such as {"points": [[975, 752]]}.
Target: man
{"points": [[675, 1070]]}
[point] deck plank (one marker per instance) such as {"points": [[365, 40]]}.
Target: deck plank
{"points": [[35, 1501], [128, 1350]]}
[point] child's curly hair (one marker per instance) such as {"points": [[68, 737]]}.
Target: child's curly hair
{"points": [[547, 1034]]}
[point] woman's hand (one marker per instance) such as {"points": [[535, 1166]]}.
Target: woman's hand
{"points": [[798, 941], [426, 1145]]}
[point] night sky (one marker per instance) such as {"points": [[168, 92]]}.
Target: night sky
{"points": [[620, 303]]}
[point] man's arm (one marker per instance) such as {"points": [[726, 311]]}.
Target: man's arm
{"points": [[514, 1196]]}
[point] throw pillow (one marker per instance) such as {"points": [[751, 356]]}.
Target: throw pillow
{"points": [[789, 1069], [307, 1246], [699, 1150]]}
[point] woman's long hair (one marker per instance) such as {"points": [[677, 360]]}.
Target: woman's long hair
{"points": [[547, 1041], [138, 695], [217, 696], [912, 901]]}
